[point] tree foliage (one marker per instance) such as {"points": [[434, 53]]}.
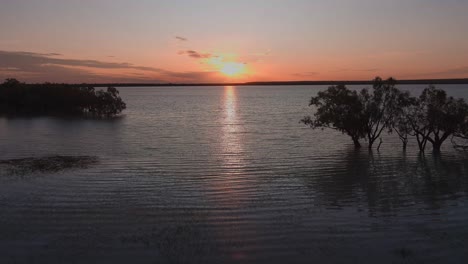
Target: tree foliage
{"points": [[341, 109], [380, 107], [437, 117], [460, 139], [432, 117], [48, 98], [401, 124]]}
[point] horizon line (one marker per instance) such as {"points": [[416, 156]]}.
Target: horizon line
{"points": [[263, 83]]}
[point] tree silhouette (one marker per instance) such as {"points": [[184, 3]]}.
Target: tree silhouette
{"points": [[401, 124], [380, 107], [433, 117], [48, 98], [360, 115], [443, 116], [460, 139], [341, 109]]}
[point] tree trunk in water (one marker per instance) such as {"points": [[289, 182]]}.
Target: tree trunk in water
{"points": [[422, 146], [380, 144], [405, 143], [421, 143], [357, 145], [371, 142], [436, 146]]}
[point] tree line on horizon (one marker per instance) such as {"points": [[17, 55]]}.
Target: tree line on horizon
{"points": [[17, 98], [432, 117]]}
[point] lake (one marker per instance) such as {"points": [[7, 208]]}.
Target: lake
{"points": [[224, 175]]}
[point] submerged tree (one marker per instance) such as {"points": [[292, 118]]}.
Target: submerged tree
{"points": [[433, 117], [417, 119], [460, 139], [380, 107], [108, 103], [401, 124], [360, 115], [341, 109], [443, 116], [48, 98]]}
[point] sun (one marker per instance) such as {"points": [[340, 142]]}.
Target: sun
{"points": [[228, 66], [232, 69]]}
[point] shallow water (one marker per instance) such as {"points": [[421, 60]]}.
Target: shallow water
{"points": [[226, 175]]}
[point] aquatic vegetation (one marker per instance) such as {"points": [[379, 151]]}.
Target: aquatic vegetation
{"points": [[18, 98], [432, 117], [46, 164]]}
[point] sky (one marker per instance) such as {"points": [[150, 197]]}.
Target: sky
{"points": [[232, 41]]}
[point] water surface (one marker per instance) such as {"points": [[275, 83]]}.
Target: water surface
{"points": [[226, 175]]}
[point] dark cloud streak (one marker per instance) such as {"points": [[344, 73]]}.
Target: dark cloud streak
{"points": [[30, 60], [39, 67], [195, 54], [181, 38]]}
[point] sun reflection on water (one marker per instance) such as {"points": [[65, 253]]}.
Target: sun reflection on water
{"points": [[231, 142]]}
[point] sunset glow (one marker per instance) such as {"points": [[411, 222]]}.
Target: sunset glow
{"points": [[245, 131], [233, 69], [233, 41]]}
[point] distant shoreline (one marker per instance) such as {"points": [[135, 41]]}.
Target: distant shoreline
{"points": [[419, 81]]}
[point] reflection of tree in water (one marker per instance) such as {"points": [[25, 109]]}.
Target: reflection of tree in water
{"points": [[388, 184]]}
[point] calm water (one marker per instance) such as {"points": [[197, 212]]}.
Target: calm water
{"points": [[226, 175]]}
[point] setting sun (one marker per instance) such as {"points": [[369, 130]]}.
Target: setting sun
{"points": [[233, 69], [227, 66], [246, 131]]}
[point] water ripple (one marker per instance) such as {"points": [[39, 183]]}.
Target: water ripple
{"points": [[225, 175]]}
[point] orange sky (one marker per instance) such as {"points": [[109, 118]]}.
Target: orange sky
{"points": [[235, 41]]}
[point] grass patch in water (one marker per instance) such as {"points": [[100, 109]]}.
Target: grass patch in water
{"points": [[46, 164]]}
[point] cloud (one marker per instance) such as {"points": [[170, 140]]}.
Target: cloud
{"points": [[34, 61], [181, 38], [195, 54], [40, 67], [9, 69]]}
